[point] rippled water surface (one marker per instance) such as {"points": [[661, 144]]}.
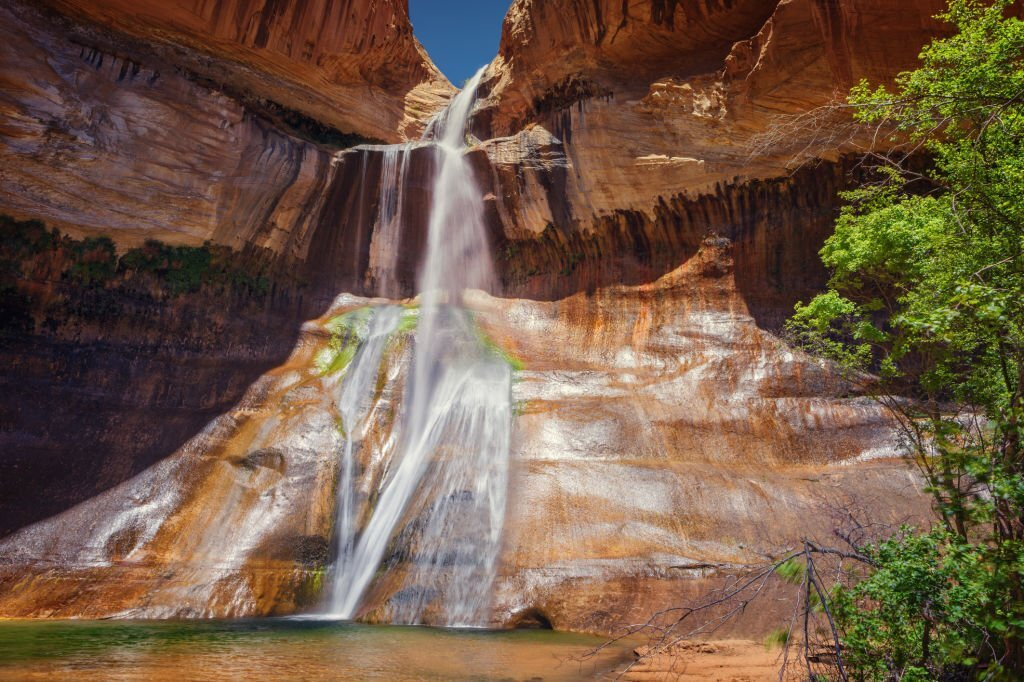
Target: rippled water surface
{"points": [[279, 649]]}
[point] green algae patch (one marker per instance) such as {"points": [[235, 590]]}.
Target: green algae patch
{"points": [[409, 319], [348, 331], [336, 359], [492, 347], [311, 587]]}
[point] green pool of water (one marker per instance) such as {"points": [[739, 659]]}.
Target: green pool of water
{"points": [[284, 649]]}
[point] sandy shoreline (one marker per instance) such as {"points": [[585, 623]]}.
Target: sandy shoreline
{"points": [[732, 660]]}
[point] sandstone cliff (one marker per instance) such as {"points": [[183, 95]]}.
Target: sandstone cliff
{"points": [[649, 101], [653, 218], [125, 134], [184, 123], [354, 66]]}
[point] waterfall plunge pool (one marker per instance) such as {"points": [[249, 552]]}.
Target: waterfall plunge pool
{"points": [[290, 649]]}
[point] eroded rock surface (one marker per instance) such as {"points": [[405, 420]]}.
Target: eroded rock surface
{"points": [[650, 224], [666, 441], [648, 101], [663, 441], [354, 66], [112, 136]]}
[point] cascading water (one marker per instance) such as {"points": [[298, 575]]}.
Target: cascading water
{"points": [[440, 507], [352, 406], [387, 236]]}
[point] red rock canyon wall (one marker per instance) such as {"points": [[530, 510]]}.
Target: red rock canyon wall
{"points": [[658, 178]]}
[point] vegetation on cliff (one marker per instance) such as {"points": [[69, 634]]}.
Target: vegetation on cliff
{"points": [[44, 272], [927, 291]]}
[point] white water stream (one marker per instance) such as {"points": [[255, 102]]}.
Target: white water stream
{"points": [[356, 391], [388, 233], [440, 507]]}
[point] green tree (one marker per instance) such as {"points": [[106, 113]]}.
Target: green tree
{"points": [[927, 293]]}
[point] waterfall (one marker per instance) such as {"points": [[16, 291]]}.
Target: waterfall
{"points": [[387, 236], [352, 406], [440, 506]]}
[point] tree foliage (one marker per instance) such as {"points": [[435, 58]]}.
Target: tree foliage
{"points": [[927, 292]]}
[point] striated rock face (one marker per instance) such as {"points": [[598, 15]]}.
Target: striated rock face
{"points": [[649, 100], [607, 46], [666, 441], [653, 216], [235, 522], [122, 134], [126, 135], [110, 365], [133, 150], [663, 442], [774, 227], [354, 66], [111, 139]]}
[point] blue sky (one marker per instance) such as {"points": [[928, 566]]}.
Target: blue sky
{"points": [[460, 35]]}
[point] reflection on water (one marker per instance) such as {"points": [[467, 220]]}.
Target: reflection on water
{"points": [[278, 649]]}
